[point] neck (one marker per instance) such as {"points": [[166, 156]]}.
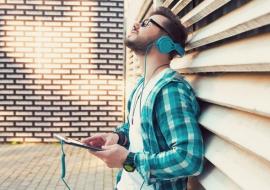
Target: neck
{"points": [[154, 64]]}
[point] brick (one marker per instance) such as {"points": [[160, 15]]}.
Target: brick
{"points": [[90, 3], [23, 113], [62, 8], [94, 9], [14, 139], [32, 129], [6, 123], [82, 19], [116, 9], [24, 7], [14, 129], [54, 2], [99, 19], [35, 2], [51, 118], [90, 14], [108, 14], [89, 129], [33, 12], [43, 134], [51, 129], [61, 124], [71, 13], [61, 113], [32, 139], [42, 113], [24, 17], [80, 8], [106, 128], [80, 124], [89, 118], [108, 56], [72, 2], [97, 124], [79, 134], [7, 7], [109, 4], [70, 118], [27, 118], [70, 129], [24, 134], [88, 97], [45, 103], [52, 13], [62, 18]]}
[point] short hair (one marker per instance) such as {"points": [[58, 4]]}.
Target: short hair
{"points": [[176, 29]]}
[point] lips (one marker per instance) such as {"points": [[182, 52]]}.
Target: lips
{"points": [[132, 32]]}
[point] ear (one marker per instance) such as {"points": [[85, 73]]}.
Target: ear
{"points": [[165, 44]]}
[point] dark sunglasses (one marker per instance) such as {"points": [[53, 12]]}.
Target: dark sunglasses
{"points": [[146, 22]]}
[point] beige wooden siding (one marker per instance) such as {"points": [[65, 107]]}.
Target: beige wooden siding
{"points": [[228, 65]]}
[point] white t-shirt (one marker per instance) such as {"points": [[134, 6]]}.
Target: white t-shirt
{"points": [[133, 180]]}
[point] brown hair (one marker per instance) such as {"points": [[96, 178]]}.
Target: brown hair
{"points": [[176, 30]]}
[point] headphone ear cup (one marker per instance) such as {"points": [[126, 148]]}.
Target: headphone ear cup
{"points": [[165, 44]]}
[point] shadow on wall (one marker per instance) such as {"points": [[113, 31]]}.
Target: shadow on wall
{"points": [[51, 80]]}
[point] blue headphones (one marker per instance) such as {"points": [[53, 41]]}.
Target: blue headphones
{"points": [[165, 45]]}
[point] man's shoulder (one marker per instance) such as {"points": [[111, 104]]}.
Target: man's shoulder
{"points": [[177, 80]]}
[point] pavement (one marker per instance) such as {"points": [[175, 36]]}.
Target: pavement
{"points": [[38, 167]]}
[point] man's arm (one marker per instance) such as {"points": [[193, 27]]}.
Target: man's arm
{"points": [[176, 118]]}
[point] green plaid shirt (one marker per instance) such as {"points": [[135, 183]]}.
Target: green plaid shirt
{"points": [[172, 140]]}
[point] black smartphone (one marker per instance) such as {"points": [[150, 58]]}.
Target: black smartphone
{"points": [[76, 143]]}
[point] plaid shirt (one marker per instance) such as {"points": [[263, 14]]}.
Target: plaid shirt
{"points": [[172, 140]]}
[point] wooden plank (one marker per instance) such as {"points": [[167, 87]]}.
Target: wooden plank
{"points": [[157, 3], [202, 10], [150, 10], [222, 121], [240, 91], [244, 168], [250, 16], [143, 10], [245, 55], [212, 179], [167, 3], [180, 6]]}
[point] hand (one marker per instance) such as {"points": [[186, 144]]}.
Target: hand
{"points": [[113, 155], [103, 139]]}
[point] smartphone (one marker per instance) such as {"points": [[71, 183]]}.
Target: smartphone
{"points": [[77, 143]]}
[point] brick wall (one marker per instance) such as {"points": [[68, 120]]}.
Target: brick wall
{"points": [[61, 68]]}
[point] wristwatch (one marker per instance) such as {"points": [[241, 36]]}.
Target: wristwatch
{"points": [[129, 164]]}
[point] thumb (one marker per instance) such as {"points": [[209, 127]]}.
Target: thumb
{"points": [[107, 147], [108, 143]]}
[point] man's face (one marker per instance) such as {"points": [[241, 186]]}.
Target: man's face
{"points": [[144, 34]]}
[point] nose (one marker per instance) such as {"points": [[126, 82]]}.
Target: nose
{"points": [[136, 26]]}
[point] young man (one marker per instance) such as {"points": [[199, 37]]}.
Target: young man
{"points": [[161, 144]]}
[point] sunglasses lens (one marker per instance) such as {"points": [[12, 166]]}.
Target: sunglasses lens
{"points": [[145, 23]]}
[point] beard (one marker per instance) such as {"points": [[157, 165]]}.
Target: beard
{"points": [[139, 46]]}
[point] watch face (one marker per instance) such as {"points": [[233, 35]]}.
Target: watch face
{"points": [[129, 168]]}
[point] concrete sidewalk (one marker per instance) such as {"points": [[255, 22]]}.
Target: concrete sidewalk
{"points": [[37, 166]]}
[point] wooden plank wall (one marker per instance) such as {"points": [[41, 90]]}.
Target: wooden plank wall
{"points": [[228, 65]]}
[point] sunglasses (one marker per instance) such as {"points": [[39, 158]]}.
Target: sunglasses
{"points": [[146, 23]]}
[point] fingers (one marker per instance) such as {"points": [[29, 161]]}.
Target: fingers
{"points": [[109, 142], [108, 147], [89, 139], [96, 140]]}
